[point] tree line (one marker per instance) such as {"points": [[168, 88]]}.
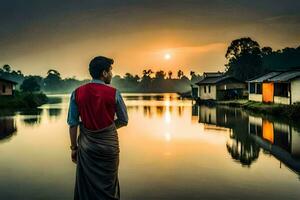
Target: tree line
{"points": [[150, 81], [245, 60]]}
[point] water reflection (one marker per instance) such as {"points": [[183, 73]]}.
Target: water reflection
{"points": [[7, 128], [152, 96], [249, 134], [54, 113], [164, 148], [31, 117], [279, 139]]}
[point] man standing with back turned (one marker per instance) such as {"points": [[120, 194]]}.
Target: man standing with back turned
{"points": [[96, 151]]}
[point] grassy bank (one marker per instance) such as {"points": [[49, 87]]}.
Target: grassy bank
{"points": [[23, 100], [290, 111]]}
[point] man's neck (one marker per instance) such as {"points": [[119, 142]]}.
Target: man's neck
{"points": [[98, 81]]}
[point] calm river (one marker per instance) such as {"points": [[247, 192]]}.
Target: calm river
{"points": [[170, 150]]}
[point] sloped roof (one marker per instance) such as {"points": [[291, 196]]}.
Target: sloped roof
{"points": [[212, 74], [215, 80], [285, 76], [7, 80], [264, 77]]}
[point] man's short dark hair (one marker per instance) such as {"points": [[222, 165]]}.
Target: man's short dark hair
{"points": [[98, 65]]}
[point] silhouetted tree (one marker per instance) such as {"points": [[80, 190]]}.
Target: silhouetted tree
{"points": [[179, 74], [170, 73], [266, 51], [285, 59], [53, 81], [30, 85], [244, 59], [6, 68], [160, 75]]}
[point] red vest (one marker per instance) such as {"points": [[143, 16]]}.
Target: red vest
{"points": [[96, 105]]}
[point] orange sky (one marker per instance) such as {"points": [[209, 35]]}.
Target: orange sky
{"points": [[137, 34]]}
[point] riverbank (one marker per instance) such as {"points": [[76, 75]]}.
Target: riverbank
{"points": [[289, 111], [23, 100]]}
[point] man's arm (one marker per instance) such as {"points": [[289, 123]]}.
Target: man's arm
{"points": [[73, 135], [73, 121], [121, 111]]}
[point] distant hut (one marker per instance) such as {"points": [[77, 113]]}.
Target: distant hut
{"points": [[276, 87], [7, 87], [217, 86]]}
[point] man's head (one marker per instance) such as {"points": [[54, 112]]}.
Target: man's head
{"points": [[100, 68]]}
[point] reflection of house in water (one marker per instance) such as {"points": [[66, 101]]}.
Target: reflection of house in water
{"points": [[7, 128], [249, 134], [281, 140], [147, 111], [241, 147], [195, 112]]}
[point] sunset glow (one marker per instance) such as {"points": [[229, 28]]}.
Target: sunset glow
{"points": [[167, 56]]}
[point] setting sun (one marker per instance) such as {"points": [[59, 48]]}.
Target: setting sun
{"points": [[167, 56]]}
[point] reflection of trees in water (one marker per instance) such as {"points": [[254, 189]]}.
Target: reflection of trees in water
{"points": [[160, 110], [54, 112], [31, 121], [7, 128], [180, 110], [242, 148], [54, 100], [147, 111], [195, 110], [32, 117], [31, 112], [130, 108]]}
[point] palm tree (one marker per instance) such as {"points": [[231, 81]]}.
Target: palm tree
{"points": [[170, 73]]}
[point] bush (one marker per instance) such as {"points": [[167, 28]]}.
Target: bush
{"points": [[23, 100]]}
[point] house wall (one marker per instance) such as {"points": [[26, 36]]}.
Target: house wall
{"points": [[228, 86], [295, 90], [8, 88], [255, 97], [282, 100], [208, 95]]}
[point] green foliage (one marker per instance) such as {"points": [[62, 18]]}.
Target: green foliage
{"points": [[30, 85], [290, 111], [287, 58], [23, 100], [52, 82]]}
